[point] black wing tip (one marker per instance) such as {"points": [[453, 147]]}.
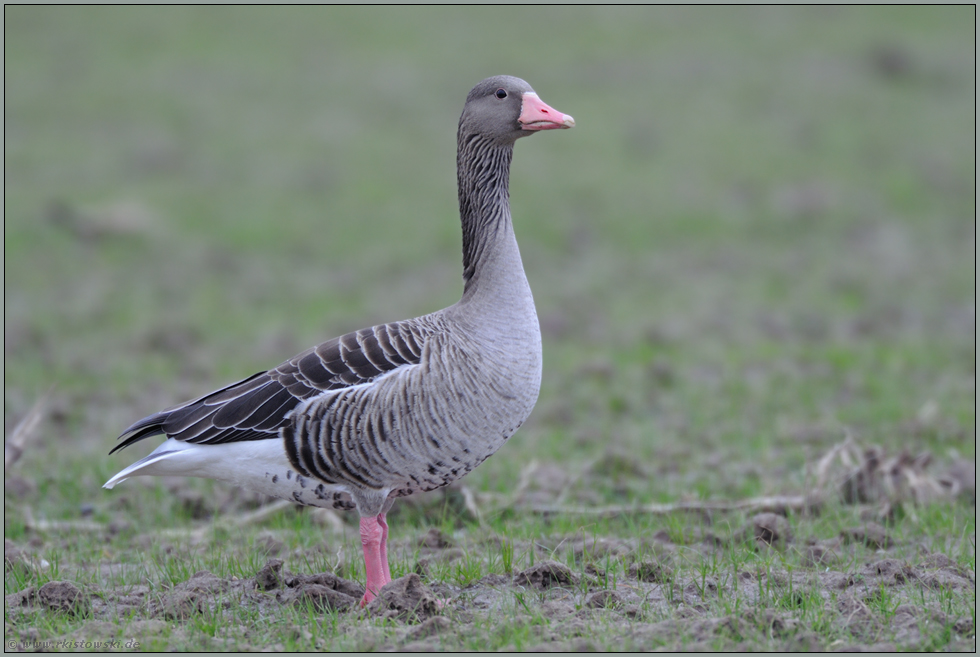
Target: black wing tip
{"points": [[148, 426], [173, 422]]}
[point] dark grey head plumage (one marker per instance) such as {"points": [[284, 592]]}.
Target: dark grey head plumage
{"points": [[493, 107]]}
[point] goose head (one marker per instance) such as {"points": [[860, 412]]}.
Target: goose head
{"points": [[504, 109]]}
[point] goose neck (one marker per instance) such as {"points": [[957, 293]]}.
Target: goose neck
{"points": [[483, 176]]}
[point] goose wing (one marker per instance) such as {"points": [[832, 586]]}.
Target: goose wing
{"points": [[257, 407]]}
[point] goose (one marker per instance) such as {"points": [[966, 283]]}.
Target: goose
{"points": [[380, 413]]}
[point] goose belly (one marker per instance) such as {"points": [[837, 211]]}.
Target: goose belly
{"points": [[411, 433]]}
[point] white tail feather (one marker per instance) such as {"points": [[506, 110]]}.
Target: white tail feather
{"points": [[245, 463], [260, 465], [145, 466]]}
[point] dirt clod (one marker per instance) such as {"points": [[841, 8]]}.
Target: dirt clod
{"points": [[270, 575], [774, 623], [405, 598], [870, 534], [323, 591], [329, 580], [64, 597], [961, 479], [270, 545], [179, 605], [890, 571], [190, 597], [204, 582], [20, 599], [431, 627], [597, 548], [771, 529], [647, 571], [947, 580], [545, 575], [604, 600], [964, 626], [320, 597], [16, 558], [856, 617], [436, 540], [495, 580], [702, 588], [940, 561], [423, 568], [820, 555], [557, 609]]}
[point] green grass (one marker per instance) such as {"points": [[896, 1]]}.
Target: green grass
{"points": [[759, 238], [712, 583]]}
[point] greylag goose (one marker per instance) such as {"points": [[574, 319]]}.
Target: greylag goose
{"points": [[387, 411]]}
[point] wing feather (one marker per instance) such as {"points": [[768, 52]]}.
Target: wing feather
{"points": [[257, 407]]}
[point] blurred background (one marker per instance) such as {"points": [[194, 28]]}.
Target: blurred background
{"points": [[760, 235]]}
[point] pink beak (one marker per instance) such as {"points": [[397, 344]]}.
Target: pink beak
{"points": [[537, 115]]}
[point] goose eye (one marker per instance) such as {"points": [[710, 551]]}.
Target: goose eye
{"points": [[500, 93]]}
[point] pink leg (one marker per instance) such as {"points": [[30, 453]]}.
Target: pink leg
{"points": [[374, 539], [384, 548], [374, 565]]}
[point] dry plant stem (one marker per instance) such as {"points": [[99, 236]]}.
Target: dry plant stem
{"points": [[60, 525], [866, 474], [328, 518], [195, 535], [527, 476], [567, 488], [793, 503], [243, 520], [259, 514], [13, 449], [469, 500]]}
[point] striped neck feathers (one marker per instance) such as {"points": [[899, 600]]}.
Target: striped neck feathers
{"points": [[483, 177]]}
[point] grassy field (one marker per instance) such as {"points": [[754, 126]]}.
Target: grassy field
{"points": [[759, 239]]}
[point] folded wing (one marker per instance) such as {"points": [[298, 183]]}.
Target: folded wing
{"points": [[257, 407]]}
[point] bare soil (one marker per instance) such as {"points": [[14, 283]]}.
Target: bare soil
{"points": [[875, 602]]}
